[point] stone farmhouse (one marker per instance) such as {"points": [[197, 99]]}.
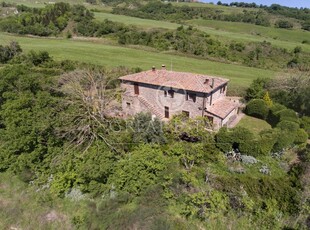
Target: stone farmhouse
{"points": [[165, 93]]}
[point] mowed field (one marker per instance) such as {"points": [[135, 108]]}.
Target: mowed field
{"points": [[223, 30], [254, 124], [284, 38], [237, 31], [41, 3], [143, 23], [96, 52]]}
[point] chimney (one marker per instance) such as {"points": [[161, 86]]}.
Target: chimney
{"points": [[163, 67], [212, 85], [206, 81], [153, 68]]}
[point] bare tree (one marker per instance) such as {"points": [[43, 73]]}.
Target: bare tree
{"points": [[89, 103]]}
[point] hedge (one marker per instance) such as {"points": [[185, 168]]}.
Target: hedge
{"points": [[257, 108]]}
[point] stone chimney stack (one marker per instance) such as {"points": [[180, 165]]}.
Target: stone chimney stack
{"points": [[163, 67], [153, 69], [212, 85]]}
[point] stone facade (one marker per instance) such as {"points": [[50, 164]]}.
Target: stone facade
{"points": [[165, 101]]}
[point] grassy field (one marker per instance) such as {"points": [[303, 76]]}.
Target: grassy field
{"points": [[288, 39], [41, 3], [254, 124], [224, 9], [144, 23], [247, 31], [97, 52]]}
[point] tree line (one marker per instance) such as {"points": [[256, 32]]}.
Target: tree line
{"points": [[53, 19], [50, 20]]}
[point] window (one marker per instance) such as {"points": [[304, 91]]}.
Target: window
{"points": [[185, 113], [191, 97], [166, 112], [210, 118], [136, 88], [128, 105], [171, 93]]}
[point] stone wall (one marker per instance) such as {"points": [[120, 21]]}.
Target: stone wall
{"points": [[215, 95], [155, 96]]}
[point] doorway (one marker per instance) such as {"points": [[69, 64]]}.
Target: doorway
{"points": [[166, 112], [136, 88]]}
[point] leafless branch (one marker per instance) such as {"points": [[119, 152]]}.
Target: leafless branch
{"points": [[86, 94]]}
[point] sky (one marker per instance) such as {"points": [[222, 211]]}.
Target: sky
{"points": [[291, 3]]}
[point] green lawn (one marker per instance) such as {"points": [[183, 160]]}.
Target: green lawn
{"points": [[224, 9], [41, 3], [97, 52], [254, 124], [238, 31], [145, 23], [254, 32], [287, 39]]}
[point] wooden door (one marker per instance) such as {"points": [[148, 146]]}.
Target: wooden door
{"points": [[166, 112], [136, 88]]}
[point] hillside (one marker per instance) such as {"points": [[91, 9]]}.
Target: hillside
{"points": [[72, 158]]}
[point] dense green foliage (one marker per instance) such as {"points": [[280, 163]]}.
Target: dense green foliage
{"points": [[159, 11], [257, 108], [134, 181], [292, 91], [50, 20], [8, 52], [193, 42], [289, 127], [291, 12], [284, 24], [60, 135]]}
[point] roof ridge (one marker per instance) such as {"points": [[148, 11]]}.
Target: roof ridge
{"points": [[181, 80]]}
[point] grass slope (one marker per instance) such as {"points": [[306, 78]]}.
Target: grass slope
{"points": [[41, 3], [224, 9], [21, 207], [288, 39], [253, 124], [144, 23], [96, 52], [238, 31]]}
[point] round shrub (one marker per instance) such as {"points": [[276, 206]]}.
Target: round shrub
{"points": [[301, 136], [284, 140], [287, 115], [305, 124], [288, 125], [266, 144], [250, 147], [237, 138], [257, 108], [273, 117], [224, 140]]}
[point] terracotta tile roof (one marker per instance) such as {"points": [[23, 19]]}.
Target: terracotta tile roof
{"points": [[222, 107], [179, 80]]}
